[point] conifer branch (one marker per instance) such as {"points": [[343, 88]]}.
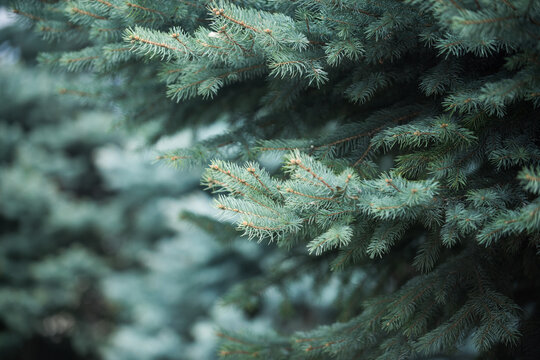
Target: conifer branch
{"points": [[30, 16], [176, 36], [108, 4], [298, 162], [81, 59], [453, 324], [146, 9], [238, 211], [265, 228], [363, 157], [252, 170], [456, 5], [390, 183], [289, 190], [221, 12], [316, 79], [221, 76], [507, 2], [87, 13], [150, 42]]}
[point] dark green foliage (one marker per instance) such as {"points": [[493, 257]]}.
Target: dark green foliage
{"points": [[409, 131]]}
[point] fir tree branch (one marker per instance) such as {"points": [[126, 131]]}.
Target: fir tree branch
{"points": [[87, 13], [145, 9]]}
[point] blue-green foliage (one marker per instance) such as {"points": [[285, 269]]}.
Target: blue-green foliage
{"points": [[82, 229], [51, 235], [409, 131]]}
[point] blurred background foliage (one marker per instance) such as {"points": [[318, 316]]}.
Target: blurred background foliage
{"points": [[94, 263], [106, 255]]}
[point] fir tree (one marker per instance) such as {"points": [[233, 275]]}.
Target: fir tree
{"points": [[89, 257], [409, 135], [49, 280], [71, 222]]}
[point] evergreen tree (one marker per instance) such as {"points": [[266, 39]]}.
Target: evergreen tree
{"points": [[69, 220], [89, 255], [50, 235], [408, 131]]}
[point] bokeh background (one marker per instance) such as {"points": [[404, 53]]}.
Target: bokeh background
{"points": [[105, 254], [95, 262]]}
